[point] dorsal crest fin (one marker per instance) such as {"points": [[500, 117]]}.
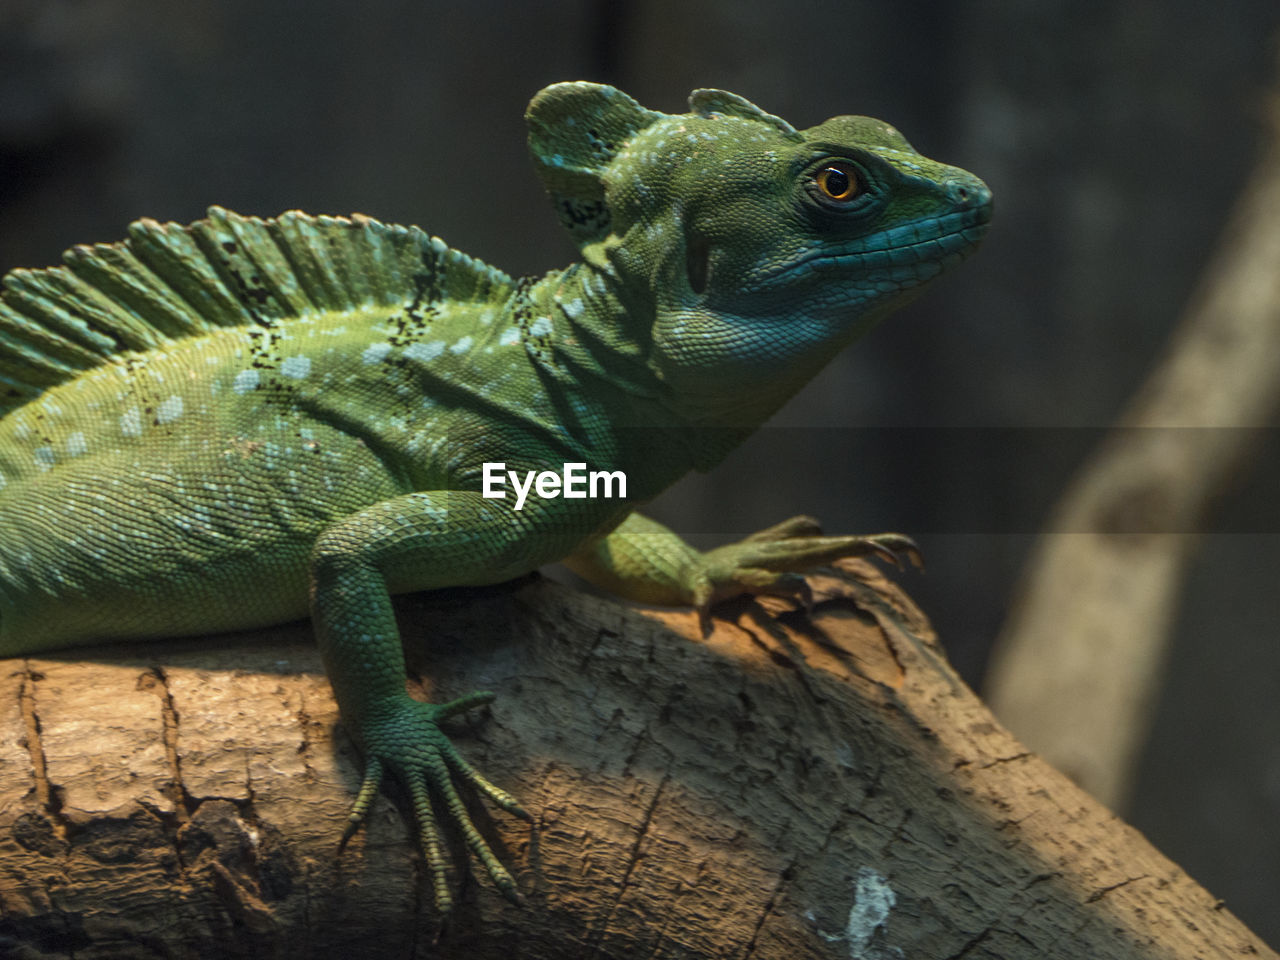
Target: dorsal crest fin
{"points": [[168, 281]]}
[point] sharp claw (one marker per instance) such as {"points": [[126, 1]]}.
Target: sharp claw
{"points": [[887, 555], [348, 832], [805, 596], [364, 799], [896, 549], [704, 619], [509, 804], [512, 895]]}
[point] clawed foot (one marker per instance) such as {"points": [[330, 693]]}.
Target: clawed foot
{"points": [[406, 740], [769, 562]]}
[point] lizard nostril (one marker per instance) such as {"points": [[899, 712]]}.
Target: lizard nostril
{"points": [[966, 195]]}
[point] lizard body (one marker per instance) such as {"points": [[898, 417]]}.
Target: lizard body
{"points": [[236, 422]]}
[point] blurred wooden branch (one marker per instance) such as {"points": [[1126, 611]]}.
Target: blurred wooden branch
{"points": [[788, 787], [1079, 660]]}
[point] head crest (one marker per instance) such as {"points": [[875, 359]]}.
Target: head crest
{"points": [[705, 102], [575, 131]]}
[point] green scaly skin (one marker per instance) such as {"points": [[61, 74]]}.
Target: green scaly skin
{"points": [[228, 424]]}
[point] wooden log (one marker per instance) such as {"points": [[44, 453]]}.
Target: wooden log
{"points": [[790, 786]]}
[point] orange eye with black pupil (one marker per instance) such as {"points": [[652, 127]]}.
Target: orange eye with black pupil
{"points": [[838, 180]]}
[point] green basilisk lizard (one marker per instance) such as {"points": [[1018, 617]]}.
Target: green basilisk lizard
{"points": [[236, 422]]}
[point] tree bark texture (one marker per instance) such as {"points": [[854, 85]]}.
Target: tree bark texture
{"points": [[1078, 664], [790, 786]]}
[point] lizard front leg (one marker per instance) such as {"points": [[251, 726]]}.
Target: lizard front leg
{"points": [[644, 561], [415, 541]]}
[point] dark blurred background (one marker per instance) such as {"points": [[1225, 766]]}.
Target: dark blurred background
{"points": [[1115, 136]]}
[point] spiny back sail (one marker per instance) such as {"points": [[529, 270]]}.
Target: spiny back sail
{"points": [[168, 281]]}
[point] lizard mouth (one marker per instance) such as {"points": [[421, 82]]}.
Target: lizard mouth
{"points": [[902, 256]]}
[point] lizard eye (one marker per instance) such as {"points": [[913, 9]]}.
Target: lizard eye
{"points": [[838, 180]]}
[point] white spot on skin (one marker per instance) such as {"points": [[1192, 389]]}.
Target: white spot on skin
{"points": [[76, 445], [170, 409], [462, 346], [245, 380], [424, 351], [375, 352], [428, 508], [510, 336], [44, 457], [3, 482], [296, 368], [131, 422], [540, 327], [873, 899]]}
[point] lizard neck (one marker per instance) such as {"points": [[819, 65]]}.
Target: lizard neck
{"points": [[581, 322], [590, 337], [598, 339]]}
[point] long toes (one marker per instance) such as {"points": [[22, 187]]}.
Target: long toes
{"points": [[429, 842], [364, 799], [478, 698], [497, 872], [791, 528], [473, 776]]}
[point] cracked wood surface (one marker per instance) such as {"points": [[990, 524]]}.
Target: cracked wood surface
{"points": [[787, 787]]}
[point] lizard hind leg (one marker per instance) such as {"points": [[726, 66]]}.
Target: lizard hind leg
{"points": [[643, 560]]}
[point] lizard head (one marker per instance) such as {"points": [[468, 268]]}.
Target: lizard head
{"points": [[750, 251]]}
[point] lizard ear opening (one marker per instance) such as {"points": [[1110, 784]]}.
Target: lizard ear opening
{"points": [[697, 263], [575, 131]]}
